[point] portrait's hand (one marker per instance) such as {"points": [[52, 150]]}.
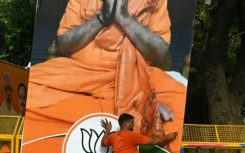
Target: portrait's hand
{"points": [[172, 136], [108, 11], [121, 10], [106, 125]]}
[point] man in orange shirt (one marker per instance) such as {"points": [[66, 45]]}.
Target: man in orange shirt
{"points": [[127, 141]]}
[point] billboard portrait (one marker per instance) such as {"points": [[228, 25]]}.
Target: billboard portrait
{"points": [[13, 84], [103, 65]]}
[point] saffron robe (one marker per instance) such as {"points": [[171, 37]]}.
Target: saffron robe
{"points": [[99, 78]]}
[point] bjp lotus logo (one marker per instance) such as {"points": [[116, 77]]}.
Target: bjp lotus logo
{"points": [[86, 134], [91, 141]]}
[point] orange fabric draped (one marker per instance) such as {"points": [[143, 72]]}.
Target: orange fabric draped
{"points": [[108, 75]]}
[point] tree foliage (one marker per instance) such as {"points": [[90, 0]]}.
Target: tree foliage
{"points": [[17, 25], [217, 90]]}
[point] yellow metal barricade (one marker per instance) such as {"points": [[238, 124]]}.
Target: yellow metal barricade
{"points": [[8, 129], [19, 136], [222, 136]]}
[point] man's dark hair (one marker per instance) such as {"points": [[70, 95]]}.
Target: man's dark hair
{"points": [[22, 85], [124, 118]]}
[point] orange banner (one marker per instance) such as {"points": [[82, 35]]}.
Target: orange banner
{"points": [[13, 89]]}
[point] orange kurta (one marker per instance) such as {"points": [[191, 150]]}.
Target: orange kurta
{"points": [[62, 90]]}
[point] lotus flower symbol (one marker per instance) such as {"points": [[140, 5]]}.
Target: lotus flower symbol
{"points": [[91, 141]]}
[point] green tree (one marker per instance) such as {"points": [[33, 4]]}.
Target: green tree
{"points": [[219, 86], [17, 23]]}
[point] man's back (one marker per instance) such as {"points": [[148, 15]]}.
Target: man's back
{"points": [[125, 141]]}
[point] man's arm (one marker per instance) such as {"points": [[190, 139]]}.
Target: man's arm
{"points": [[163, 140], [107, 126], [75, 39], [150, 45]]}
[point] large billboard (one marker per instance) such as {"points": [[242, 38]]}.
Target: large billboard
{"points": [[110, 71]]}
